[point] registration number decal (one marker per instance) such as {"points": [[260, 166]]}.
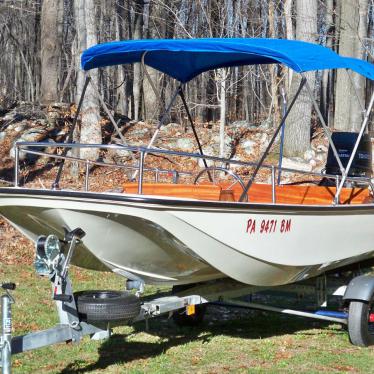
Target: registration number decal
{"points": [[268, 226]]}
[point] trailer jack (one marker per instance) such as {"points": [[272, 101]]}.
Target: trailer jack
{"points": [[71, 328]]}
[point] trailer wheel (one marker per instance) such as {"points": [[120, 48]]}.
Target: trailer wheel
{"points": [[107, 306], [360, 323]]}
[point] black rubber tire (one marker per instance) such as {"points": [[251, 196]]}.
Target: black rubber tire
{"points": [[107, 306], [180, 316], [360, 331]]}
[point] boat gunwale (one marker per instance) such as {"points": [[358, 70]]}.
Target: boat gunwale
{"points": [[170, 202]]}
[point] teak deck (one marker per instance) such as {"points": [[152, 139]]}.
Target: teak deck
{"points": [[258, 193]]}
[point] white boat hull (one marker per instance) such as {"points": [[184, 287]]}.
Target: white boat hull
{"points": [[180, 241]]}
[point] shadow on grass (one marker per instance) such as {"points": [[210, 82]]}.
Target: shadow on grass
{"points": [[256, 325]]}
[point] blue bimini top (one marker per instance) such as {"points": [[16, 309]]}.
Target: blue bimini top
{"points": [[184, 59]]}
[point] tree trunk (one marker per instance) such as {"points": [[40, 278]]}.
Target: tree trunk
{"points": [[289, 34], [90, 120], [50, 50], [297, 131], [137, 82], [353, 29], [222, 77], [327, 74]]}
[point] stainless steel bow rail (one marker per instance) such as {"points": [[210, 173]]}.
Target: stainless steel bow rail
{"points": [[53, 256], [139, 169]]}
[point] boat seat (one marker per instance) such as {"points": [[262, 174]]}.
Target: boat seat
{"points": [[258, 193], [190, 191], [307, 195]]}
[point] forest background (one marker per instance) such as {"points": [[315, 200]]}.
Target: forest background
{"points": [[41, 43]]}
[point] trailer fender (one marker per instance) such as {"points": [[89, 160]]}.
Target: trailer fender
{"points": [[360, 288]]}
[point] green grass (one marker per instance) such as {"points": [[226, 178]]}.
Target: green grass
{"points": [[237, 341]]}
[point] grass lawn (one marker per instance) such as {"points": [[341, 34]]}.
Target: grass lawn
{"points": [[229, 341]]}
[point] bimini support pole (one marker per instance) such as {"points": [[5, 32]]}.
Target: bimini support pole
{"points": [[284, 110], [259, 164], [181, 94], [160, 124], [55, 184], [325, 127], [361, 133]]}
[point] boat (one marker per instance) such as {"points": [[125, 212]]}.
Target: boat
{"points": [[213, 223]]}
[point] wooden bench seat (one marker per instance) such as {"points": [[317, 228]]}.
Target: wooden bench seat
{"points": [[258, 193], [308, 195], [190, 191]]}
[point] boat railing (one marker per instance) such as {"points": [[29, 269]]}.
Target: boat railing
{"points": [[139, 169]]}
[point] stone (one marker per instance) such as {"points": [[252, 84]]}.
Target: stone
{"points": [[312, 163], [265, 125], [296, 163], [321, 156], [119, 155], [140, 132], [185, 144], [248, 146], [235, 166], [238, 125], [34, 135], [208, 151], [309, 154], [20, 126], [263, 141], [216, 139], [322, 148]]}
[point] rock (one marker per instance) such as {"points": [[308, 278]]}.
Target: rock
{"points": [[216, 139], [176, 144], [321, 156], [235, 166], [312, 163], [296, 163], [34, 135], [31, 135], [208, 151], [321, 148], [263, 141], [309, 154], [119, 155], [185, 144], [248, 146], [238, 125], [19, 127], [139, 133], [13, 117], [265, 125], [171, 126]]}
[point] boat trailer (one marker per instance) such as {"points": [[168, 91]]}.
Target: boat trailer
{"points": [[77, 318]]}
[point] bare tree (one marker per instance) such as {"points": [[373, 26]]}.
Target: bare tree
{"points": [[297, 131], [350, 91], [85, 17], [51, 22]]}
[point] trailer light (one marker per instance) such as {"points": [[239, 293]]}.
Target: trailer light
{"points": [[190, 310], [371, 317]]}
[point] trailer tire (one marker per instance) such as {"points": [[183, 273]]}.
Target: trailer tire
{"points": [[107, 306], [360, 330]]}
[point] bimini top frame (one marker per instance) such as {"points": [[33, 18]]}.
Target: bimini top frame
{"points": [[184, 59]]}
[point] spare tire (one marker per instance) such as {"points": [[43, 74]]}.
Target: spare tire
{"points": [[107, 306]]}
